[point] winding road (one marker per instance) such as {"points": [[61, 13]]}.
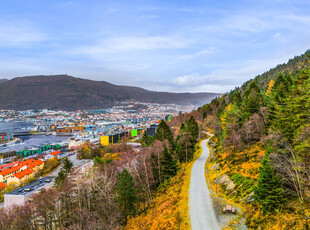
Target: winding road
{"points": [[201, 210]]}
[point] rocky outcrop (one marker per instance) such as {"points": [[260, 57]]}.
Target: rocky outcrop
{"points": [[226, 181], [231, 185]]}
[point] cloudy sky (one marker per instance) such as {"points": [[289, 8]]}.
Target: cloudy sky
{"points": [[177, 45]]}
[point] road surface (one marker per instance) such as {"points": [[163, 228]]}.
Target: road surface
{"points": [[201, 210], [37, 185]]}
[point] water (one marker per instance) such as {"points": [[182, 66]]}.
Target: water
{"points": [[27, 141], [15, 126]]}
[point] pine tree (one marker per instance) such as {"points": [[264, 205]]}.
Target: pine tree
{"points": [[163, 132], [252, 100], [146, 140], [60, 179], [268, 191], [67, 165], [168, 164], [293, 111], [126, 194], [192, 127], [155, 163], [187, 139]]}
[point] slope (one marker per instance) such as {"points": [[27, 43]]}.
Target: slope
{"points": [[66, 92]]}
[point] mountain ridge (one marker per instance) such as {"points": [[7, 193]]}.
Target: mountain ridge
{"points": [[71, 93]]}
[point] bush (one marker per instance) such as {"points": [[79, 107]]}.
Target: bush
{"points": [[50, 165]]}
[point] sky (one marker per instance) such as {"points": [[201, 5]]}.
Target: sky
{"points": [[175, 45]]}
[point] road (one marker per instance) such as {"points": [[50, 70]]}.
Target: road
{"points": [[201, 210], [36, 186]]}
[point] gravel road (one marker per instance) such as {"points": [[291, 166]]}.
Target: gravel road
{"points": [[201, 210]]}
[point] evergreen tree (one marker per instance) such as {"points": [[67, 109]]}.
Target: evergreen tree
{"points": [[187, 139], [168, 164], [67, 165], [126, 194], [293, 111], [192, 127], [268, 191], [163, 132], [252, 100], [155, 163], [278, 93], [184, 147], [146, 140], [60, 179]]}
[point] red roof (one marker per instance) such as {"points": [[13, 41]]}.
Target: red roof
{"points": [[8, 165], [55, 153], [23, 173], [2, 185], [30, 163], [10, 170]]}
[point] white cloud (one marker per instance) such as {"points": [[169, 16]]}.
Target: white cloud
{"points": [[135, 44], [19, 35], [199, 53], [225, 79]]}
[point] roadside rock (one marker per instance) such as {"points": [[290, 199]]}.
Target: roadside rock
{"points": [[224, 179], [250, 198], [215, 166], [230, 186]]}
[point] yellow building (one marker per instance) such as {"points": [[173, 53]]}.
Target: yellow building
{"points": [[104, 140], [21, 176]]}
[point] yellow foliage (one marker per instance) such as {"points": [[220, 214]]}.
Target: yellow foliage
{"points": [[169, 209], [271, 83], [247, 165]]}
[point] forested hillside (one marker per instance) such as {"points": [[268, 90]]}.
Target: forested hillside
{"points": [[262, 143]]}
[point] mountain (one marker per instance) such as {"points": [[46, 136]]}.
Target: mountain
{"points": [[70, 93], [3, 80]]}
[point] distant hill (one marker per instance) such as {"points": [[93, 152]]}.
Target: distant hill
{"points": [[3, 80], [70, 93]]}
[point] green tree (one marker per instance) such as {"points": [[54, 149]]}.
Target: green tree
{"points": [[187, 139], [60, 179], [192, 127], [146, 140], [126, 195], [168, 164], [163, 132], [67, 165], [293, 111], [155, 163], [252, 99], [268, 192]]}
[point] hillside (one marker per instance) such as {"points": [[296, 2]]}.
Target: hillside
{"points": [[261, 146], [3, 80], [69, 93]]}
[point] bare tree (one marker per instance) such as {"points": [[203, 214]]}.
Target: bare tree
{"points": [[293, 170]]}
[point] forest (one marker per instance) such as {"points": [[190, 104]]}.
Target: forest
{"points": [[262, 142]]}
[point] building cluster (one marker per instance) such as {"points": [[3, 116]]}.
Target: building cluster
{"points": [[19, 171]]}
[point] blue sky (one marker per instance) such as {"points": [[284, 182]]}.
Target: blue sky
{"points": [[175, 45]]}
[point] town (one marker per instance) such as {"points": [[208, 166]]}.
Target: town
{"points": [[27, 169]]}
